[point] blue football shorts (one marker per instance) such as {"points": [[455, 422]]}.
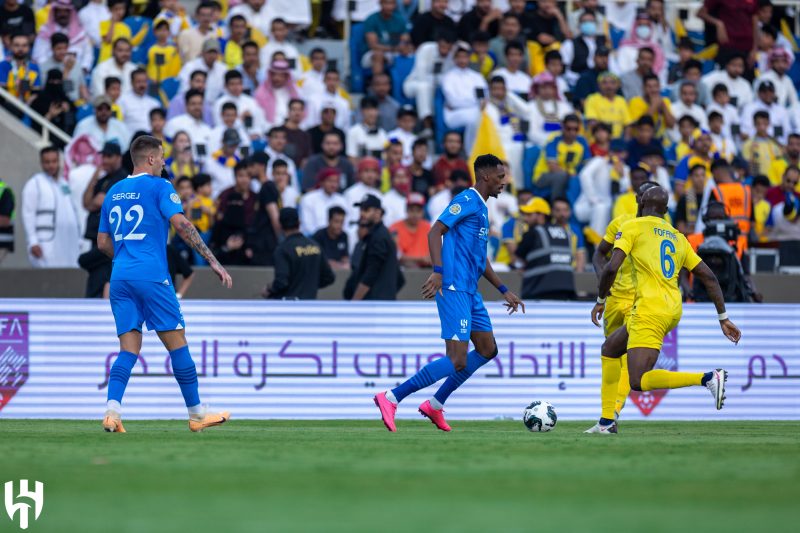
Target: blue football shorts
{"points": [[461, 313], [135, 303]]}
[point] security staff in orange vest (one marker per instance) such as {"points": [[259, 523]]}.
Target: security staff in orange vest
{"points": [[735, 196], [717, 212]]}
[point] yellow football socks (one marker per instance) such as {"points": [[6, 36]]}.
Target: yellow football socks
{"points": [[609, 382], [664, 379], [624, 388]]}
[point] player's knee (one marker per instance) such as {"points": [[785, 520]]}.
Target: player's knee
{"points": [[636, 383], [489, 352], [460, 364]]}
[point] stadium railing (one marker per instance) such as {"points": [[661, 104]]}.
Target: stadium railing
{"points": [[48, 129]]}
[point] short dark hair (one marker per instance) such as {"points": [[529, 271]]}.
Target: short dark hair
{"points": [[714, 115], [606, 126], [297, 101], [649, 77], [199, 180], [794, 136], [497, 79], [111, 80], [770, 30], [335, 210], [453, 132], [485, 162], [276, 129], [761, 180], [553, 54], [199, 73], [514, 45], [317, 50], [112, 3], [368, 102], [136, 72], [480, 37], [47, 150], [191, 93], [695, 167], [232, 75], [719, 88], [58, 38], [182, 179], [561, 199], [760, 114], [142, 145], [647, 49], [718, 164], [278, 163], [235, 18], [689, 118], [157, 111], [206, 4], [250, 44], [228, 105], [121, 40], [645, 120], [279, 20], [693, 63], [445, 34], [571, 118], [241, 165], [419, 142]]}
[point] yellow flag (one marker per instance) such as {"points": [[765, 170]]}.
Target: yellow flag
{"points": [[487, 141]]}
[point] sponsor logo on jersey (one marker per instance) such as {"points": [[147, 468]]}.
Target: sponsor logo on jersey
{"points": [[175, 198], [618, 236], [455, 209]]}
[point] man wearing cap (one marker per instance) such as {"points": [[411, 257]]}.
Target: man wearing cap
{"points": [[331, 156], [779, 125], [431, 60], [368, 178], [102, 127], [411, 234], [785, 91], [314, 205], [208, 62], [300, 267], [546, 253], [220, 164], [117, 66], [136, 104], [375, 272], [96, 263]]}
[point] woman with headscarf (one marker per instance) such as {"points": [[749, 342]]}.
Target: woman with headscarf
{"points": [[53, 104], [274, 94], [64, 19], [642, 35], [545, 109]]}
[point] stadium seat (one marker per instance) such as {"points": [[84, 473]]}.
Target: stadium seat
{"points": [[529, 159], [357, 49], [399, 71], [440, 128], [142, 38]]}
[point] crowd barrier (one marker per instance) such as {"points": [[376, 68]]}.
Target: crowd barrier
{"points": [[325, 360]]}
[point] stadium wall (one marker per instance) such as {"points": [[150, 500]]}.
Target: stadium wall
{"points": [[313, 360]]}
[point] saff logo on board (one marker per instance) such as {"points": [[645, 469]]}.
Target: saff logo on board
{"points": [[14, 329], [23, 508]]}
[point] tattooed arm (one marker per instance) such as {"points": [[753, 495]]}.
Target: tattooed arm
{"points": [[190, 236]]}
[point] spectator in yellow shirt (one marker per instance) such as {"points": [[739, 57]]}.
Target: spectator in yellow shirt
{"points": [[761, 150], [653, 105], [163, 60], [113, 29], [761, 207], [607, 106], [792, 159]]}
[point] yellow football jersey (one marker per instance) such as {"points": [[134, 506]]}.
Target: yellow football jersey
{"points": [[657, 252], [623, 284]]}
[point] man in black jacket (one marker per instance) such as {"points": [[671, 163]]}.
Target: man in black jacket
{"points": [[300, 268], [376, 271]]}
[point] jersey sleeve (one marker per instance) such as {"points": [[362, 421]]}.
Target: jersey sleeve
{"points": [[103, 228], [169, 203], [691, 260], [625, 237], [458, 209], [611, 231]]}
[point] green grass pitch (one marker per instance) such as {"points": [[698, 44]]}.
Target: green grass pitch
{"points": [[285, 476]]}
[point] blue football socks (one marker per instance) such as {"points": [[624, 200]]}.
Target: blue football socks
{"points": [[474, 362], [186, 375], [120, 374], [428, 375]]}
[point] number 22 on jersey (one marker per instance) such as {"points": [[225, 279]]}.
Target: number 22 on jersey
{"points": [[134, 213]]}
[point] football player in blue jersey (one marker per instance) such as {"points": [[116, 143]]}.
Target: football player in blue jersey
{"points": [[458, 241], [134, 226]]}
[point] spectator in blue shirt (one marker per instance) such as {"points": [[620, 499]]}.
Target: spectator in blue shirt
{"points": [[19, 75], [562, 158], [382, 32]]}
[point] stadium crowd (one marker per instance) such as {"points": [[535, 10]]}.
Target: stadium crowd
{"points": [[581, 105]]}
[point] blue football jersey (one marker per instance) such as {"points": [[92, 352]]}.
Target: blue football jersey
{"points": [[136, 213], [464, 247]]}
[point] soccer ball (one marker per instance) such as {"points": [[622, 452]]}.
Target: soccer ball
{"points": [[540, 416]]}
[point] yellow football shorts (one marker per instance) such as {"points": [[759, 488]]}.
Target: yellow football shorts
{"points": [[616, 313], [647, 329]]}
